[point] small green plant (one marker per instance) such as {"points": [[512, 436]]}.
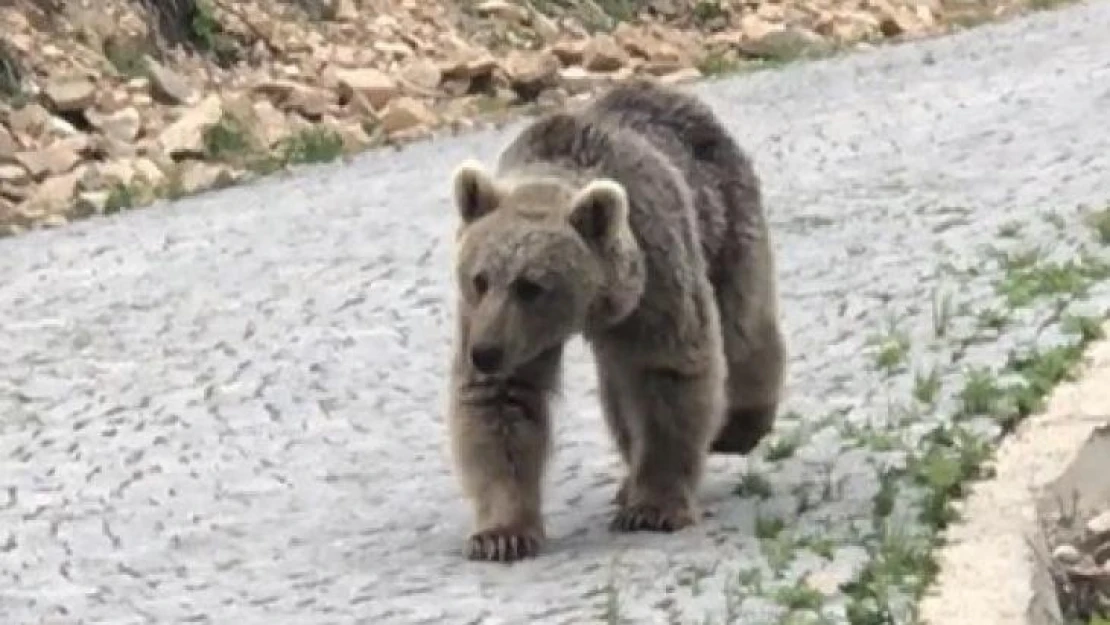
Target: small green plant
{"points": [[891, 350], [203, 25], [942, 314], [799, 598], [753, 484], [1010, 230], [127, 56], [195, 23], [1087, 328], [612, 612], [706, 11], [227, 140], [751, 578], [883, 502], [312, 145], [784, 446], [992, 319], [768, 528], [1026, 281], [1047, 5], [1099, 221], [11, 75], [779, 552], [1055, 219], [981, 394], [621, 10], [897, 559], [1019, 260], [954, 458], [1041, 371], [822, 546], [120, 197], [926, 386], [716, 63]]}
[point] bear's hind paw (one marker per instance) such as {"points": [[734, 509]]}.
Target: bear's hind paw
{"points": [[652, 518], [503, 544]]}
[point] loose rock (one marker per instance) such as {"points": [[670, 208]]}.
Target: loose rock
{"points": [[602, 54], [123, 125], [57, 159], [8, 145], [70, 95], [404, 67], [531, 72], [406, 113], [376, 86], [185, 137], [168, 86]]}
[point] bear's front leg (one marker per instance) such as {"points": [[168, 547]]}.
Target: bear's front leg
{"points": [[671, 419], [500, 440]]}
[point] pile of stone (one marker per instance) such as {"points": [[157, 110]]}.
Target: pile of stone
{"points": [[95, 110], [1082, 572]]}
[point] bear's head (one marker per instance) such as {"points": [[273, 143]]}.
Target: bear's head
{"points": [[540, 260]]}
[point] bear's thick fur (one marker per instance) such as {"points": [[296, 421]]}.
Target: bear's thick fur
{"points": [[636, 222]]}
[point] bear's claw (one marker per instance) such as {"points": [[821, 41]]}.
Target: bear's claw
{"points": [[502, 544], [651, 518]]}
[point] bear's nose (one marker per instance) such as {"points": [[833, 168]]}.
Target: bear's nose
{"points": [[486, 358]]}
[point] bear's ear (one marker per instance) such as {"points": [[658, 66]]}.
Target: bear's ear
{"points": [[599, 211], [476, 194]]}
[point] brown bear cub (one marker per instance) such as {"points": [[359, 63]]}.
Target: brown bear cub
{"points": [[637, 223]]}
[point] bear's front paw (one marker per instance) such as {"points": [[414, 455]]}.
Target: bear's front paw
{"points": [[503, 544], [652, 518]]}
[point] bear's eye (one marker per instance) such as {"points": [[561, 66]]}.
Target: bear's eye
{"points": [[481, 284], [526, 290]]}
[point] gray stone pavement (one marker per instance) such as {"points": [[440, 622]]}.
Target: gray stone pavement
{"points": [[229, 409]]}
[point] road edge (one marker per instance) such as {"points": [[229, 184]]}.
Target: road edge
{"points": [[988, 567]]}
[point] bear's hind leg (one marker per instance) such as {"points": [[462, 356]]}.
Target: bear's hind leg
{"points": [[755, 353], [670, 420]]}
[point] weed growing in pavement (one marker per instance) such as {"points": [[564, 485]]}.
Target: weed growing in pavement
{"points": [[992, 319], [942, 313], [768, 528], [926, 386], [799, 598], [891, 348], [1010, 230], [784, 445], [753, 484], [938, 468], [1099, 221]]}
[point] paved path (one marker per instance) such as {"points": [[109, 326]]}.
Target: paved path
{"points": [[229, 410]]}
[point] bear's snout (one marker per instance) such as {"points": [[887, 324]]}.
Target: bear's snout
{"points": [[487, 358]]}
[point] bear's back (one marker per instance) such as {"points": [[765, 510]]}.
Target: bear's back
{"points": [[654, 140], [728, 200]]}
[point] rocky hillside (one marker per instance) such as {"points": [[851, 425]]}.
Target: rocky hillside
{"points": [[107, 104]]}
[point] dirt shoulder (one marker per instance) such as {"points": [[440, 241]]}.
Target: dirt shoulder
{"points": [[109, 104]]}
